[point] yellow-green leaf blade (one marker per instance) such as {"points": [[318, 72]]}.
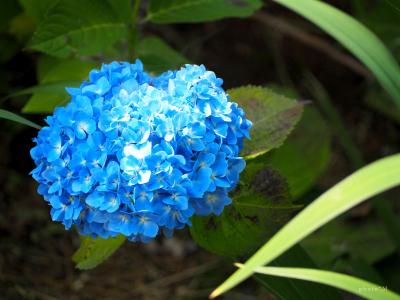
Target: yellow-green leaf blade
{"points": [[356, 38], [345, 282], [361, 185]]}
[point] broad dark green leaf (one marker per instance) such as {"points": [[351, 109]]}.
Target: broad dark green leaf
{"points": [[254, 216], [51, 91], [5, 114], [94, 251], [341, 238], [74, 27], [122, 8], [305, 154], [273, 116], [358, 39], [192, 11], [157, 56]]}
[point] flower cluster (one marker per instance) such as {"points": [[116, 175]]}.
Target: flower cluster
{"points": [[135, 155]]}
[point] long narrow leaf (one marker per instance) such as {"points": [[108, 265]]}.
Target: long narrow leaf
{"points": [[361, 185], [5, 114], [356, 38], [345, 282]]}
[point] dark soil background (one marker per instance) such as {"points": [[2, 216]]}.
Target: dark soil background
{"points": [[35, 253]]}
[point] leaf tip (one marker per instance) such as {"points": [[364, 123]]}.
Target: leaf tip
{"points": [[217, 292]]}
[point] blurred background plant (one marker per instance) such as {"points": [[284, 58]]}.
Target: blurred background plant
{"points": [[352, 117]]}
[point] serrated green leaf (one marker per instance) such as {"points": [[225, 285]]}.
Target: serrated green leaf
{"points": [[79, 27], [345, 282], [273, 116], [361, 185], [192, 11], [157, 56], [51, 92], [92, 251], [358, 39], [5, 114]]}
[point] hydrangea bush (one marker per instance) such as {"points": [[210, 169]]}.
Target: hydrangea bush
{"points": [[135, 155]]}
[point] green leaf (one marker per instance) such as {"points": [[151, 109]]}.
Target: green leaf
{"points": [[9, 9], [122, 8], [51, 91], [21, 27], [254, 216], [53, 87], [289, 289], [5, 114], [92, 251], [273, 116], [157, 56], [340, 238], [305, 155], [79, 27], [356, 38], [192, 11], [345, 282], [37, 9], [361, 185], [382, 17]]}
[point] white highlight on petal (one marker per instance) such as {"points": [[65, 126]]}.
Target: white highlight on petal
{"points": [[138, 151]]}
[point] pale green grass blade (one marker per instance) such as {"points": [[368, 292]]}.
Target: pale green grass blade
{"points": [[358, 39], [5, 114], [361, 185], [345, 282]]}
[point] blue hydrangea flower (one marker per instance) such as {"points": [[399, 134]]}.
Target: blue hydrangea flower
{"points": [[139, 155]]}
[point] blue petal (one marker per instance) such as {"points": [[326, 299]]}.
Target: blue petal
{"points": [[95, 199]]}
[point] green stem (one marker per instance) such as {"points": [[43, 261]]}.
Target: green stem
{"points": [[133, 29], [135, 11]]}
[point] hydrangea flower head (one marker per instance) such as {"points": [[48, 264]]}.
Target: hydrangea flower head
{"points": [[136, 155]]}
